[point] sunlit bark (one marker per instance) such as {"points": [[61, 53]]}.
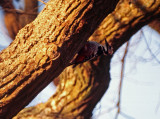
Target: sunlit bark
{"points": [[43, 48], [128, 17], [80, 88]]}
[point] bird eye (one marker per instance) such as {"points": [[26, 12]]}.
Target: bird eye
{"points": [[100, 50]]}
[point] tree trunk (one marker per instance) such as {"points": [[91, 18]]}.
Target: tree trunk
{"points": [[80, 88], [43, 48]]}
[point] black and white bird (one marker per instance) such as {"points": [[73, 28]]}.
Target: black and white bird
{"points": [[91, 50]]}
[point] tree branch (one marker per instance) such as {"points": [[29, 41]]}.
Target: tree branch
{"points": [[43, 48], [128, 17], [121, 79], [117, 28], [153, 55]]}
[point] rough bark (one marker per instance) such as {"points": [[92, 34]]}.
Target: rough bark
{"points": [[43, 48], [128, 17], [77, 94], [80, 88]]}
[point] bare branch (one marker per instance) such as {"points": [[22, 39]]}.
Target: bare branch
{"points": [[121, 80], [149, 49], [18, 11], [42, 2], [158, 105], [126, 116]]}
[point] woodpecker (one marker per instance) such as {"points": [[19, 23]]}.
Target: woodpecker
{"points": [[91, 50]]}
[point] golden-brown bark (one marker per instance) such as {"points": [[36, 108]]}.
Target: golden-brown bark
{"points": [[80, 88], [127, 18], [43, 48], [77, 93]]}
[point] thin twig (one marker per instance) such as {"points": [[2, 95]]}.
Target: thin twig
{"points": [[104, 112], [121, 80], [19, 11], [158, 105], [42, 2], [126, 116], [149, 48]]}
